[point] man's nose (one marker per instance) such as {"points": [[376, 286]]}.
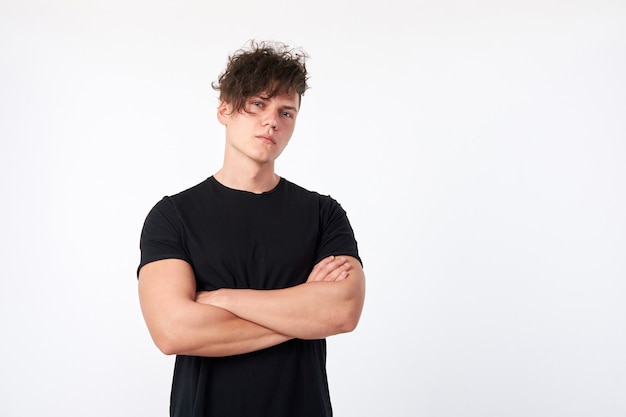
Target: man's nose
{"points": [[271, 121]]}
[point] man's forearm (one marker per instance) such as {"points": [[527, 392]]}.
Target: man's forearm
{"points": [[180, 325], [308, 311], [212, 331]]}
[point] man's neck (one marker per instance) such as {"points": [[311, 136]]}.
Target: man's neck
{"points": [[253, 180]]}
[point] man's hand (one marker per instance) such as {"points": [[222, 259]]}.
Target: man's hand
{"points": [[332, 268]]}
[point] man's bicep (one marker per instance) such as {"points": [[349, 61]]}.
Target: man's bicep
{"points": [[166, 287], [166, 279]]}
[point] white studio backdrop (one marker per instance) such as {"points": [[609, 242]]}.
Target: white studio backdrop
{"points": [[478, 148]]}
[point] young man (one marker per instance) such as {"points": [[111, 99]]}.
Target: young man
{"points": [[244, 275]]}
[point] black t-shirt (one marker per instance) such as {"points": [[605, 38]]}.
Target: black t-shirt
{"points": [[238, 239]]}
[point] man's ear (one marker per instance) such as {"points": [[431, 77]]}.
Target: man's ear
{"points": [[224, 111]]}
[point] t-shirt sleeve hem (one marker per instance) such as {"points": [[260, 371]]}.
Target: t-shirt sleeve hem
{"points": [[341, 253], [160, 258]]}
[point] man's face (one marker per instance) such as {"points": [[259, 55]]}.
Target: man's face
{"points": [[262, 131]]}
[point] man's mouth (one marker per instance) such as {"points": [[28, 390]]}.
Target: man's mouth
{"points": [[266, 139]]}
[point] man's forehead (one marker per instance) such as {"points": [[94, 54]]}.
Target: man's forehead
{"points": [[283, 94]]}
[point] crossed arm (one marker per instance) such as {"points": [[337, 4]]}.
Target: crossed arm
{"points": [[230, 321]]}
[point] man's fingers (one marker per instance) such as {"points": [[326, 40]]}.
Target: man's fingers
{"points": [[317, 274], [339, 272], [332, 268], [323, 264]]}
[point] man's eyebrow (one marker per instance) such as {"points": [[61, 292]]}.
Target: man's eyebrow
{"points": [[289, 108], [265, 98]]}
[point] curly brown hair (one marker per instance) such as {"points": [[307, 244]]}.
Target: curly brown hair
{"points": [[271, 68]]}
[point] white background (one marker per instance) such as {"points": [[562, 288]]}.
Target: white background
{"points": [[479, 148]]}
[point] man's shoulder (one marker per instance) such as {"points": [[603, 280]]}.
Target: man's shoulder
{"points": [[325, 202], [174, 203], [304, 192], [192, 191]]}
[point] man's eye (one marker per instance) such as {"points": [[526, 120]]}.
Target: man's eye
{"points": [[287, 114], [257, 103]]}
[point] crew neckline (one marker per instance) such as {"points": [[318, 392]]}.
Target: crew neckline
{"points": [[245, 192]]}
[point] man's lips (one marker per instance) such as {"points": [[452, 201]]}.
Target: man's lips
{"points": [[266, 139]]}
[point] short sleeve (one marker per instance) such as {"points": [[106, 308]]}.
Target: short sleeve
{"points": [[336, 234], [161, 236]]}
